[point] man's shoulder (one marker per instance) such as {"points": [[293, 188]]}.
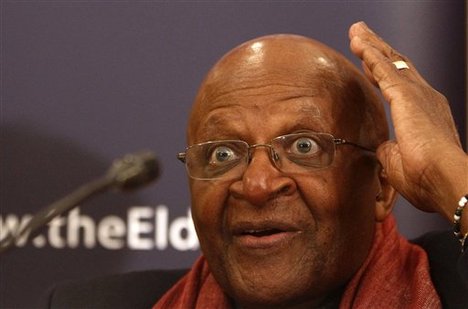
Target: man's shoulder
{"points": [[139, 289], [438, 240], [443, 251], [447, 266]]}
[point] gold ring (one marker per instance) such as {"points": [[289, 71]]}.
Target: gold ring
{"points": [[400, 65]]}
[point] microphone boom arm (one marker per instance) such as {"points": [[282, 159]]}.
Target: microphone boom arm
{"points": [[128, 173]]}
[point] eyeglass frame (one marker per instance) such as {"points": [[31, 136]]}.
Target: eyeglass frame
{"points": [[181, 156]]}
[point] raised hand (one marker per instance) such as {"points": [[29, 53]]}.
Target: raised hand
{"points": [[426, 163]]}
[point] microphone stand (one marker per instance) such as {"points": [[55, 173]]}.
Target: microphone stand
{"points": [[128, 173]]}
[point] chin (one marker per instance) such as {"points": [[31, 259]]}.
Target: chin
{"points": [[269, 289]]}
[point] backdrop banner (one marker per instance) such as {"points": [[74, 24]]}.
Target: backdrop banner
{"points": [[85, 82]]}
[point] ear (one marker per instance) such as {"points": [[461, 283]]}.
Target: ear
{"points": [[385, 199]]}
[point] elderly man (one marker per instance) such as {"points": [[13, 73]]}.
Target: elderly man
{"points": [[293, 182], [291, 206]]}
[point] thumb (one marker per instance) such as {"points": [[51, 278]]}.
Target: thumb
{"points": [[389, 157]]}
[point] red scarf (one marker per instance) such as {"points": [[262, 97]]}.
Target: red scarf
{"points": [[394, 275]]}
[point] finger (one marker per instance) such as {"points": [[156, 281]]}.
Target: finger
{"points": [[368, 74], [362, 31], [382, 69], [366, 34], [377, 54], [389, 157], [406, 85]]}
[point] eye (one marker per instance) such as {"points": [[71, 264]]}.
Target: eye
{"points": [[222, 154], [304, 146]]}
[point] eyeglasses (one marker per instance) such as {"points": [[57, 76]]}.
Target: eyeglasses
{"points": [[296, 153]]}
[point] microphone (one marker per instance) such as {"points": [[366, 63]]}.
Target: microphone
{"points": [[134, 170], [131, 172]]}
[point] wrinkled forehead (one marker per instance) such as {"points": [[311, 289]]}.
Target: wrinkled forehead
{"points": [[263, 121]]}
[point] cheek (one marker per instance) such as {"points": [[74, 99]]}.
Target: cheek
{"points": [[342, 202], [208, 200], [345, 192]]}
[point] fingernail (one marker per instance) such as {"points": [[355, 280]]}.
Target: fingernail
{"points": [[364, 26]]}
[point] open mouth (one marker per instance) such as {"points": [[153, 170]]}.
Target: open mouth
{"points": [[262, 233], [263, 236]]}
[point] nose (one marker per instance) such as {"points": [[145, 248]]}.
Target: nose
{"points": [[262, 181]]}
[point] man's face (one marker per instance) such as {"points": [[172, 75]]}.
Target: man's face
{"points": [[271, 238]]}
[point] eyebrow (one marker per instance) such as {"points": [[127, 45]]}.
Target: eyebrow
{"points": [[313, 123], [311, 110], [210, 129]]}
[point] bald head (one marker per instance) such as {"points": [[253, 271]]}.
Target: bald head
{"points": [[293, 65]]}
